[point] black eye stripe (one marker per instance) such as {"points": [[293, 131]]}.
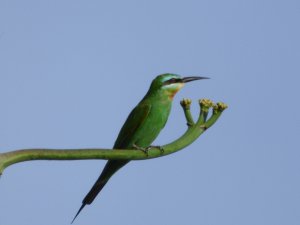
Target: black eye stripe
{"points": [[172, 81]]}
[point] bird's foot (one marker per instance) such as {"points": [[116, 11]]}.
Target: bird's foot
{"points": [[145, 150], [161, 149]]}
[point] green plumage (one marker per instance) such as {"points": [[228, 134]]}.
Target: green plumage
{"points": [[142, 126]]}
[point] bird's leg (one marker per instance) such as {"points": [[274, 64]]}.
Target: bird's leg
{"points": [[145, 150]]}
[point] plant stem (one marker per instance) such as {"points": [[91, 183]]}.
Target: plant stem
{"points": [[193, 132]]}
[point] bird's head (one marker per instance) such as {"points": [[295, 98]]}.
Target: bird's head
{"points": [[170, 83]]}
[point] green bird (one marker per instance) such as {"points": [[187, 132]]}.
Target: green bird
{"points": [[142, 126]]}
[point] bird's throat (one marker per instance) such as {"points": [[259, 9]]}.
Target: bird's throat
{"points": [[171, 92]]}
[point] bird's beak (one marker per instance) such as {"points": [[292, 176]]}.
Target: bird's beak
{"points": [[189, 79]]}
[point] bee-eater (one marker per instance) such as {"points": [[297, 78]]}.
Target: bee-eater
{"points": [[142, 126]]}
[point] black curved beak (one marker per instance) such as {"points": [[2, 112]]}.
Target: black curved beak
{"points": [[189, 79]]}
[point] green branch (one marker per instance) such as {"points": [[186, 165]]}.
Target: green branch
{"points": [[193, 132]]}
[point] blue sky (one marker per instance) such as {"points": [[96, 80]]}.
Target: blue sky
{"points": [[71, 71]]}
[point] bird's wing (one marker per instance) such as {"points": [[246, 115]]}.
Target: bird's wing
{"points": [[134, 121]]}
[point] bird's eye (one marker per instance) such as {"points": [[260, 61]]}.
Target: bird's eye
{"points": [[171, 81]]}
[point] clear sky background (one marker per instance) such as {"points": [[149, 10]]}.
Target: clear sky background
{"points": [[71, 71]]}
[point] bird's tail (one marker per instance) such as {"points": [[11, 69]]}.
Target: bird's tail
{"points": [[110, 168]]}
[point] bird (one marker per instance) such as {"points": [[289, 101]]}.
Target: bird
{"points": [[142, 126]]}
